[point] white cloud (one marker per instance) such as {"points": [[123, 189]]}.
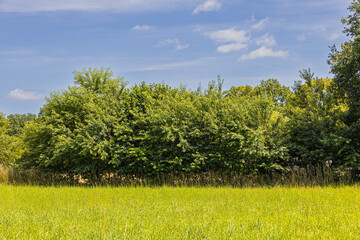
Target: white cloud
{"points": [[301, 38], [95, 5], [231, 47], [260, 25], [20, 94], [236, 39], [142, 27], [173, 42], [229, 35], [266, 40], [263, 52], [209, 5], [333, 37]]}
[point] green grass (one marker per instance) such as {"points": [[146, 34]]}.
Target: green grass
{"points": [[179, 213]]}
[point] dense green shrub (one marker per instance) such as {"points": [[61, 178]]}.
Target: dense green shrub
{"points": [[100, 126]]}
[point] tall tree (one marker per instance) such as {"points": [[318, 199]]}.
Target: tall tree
{"points": [[345, 63]]}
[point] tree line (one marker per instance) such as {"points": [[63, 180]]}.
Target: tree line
{"points": [[100, 125]]}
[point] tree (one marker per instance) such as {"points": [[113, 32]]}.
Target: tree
{"points": [[17, 122], [74, 133], [345, 64], [272, 89], [314, 118], [11, 147]]}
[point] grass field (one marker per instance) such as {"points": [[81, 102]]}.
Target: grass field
{"points": [[179, 213]]}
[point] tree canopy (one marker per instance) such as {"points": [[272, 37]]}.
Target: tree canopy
{"points": [[345, 63]]}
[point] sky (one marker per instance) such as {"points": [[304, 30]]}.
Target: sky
{"points": [[189, 42]]}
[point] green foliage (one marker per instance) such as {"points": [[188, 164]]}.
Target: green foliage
{"points": [[74, 133], [315, 120], [345, 64], [11, 147], [17, 123], [241, 91], [99, 126], [273, 90]]}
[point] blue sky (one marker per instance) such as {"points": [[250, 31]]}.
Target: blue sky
{"points": [[176, 42]]}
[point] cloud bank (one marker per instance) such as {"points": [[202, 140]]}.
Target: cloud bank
{"points": [[233, 40]]}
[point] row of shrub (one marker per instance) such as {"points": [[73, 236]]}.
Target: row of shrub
{"points": [[100, 126]]}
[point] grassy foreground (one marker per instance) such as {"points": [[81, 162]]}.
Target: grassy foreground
{"points": [[179, 213]]}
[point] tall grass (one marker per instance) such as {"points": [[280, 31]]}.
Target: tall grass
{"points": [[15, 176], [310, 176], [179, 213], [4, 174]]}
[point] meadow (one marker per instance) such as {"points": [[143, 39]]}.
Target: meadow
{"points": [[31, 212]]}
